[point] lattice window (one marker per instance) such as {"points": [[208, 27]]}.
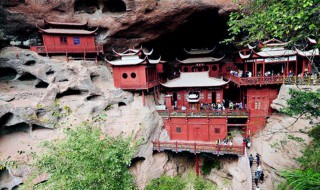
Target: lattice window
{"points": [[257, 105], [216, 130], [63, 40], [178, 129], [76, 40]]}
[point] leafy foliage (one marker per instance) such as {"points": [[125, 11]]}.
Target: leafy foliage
{"points": [[288, 20], [85, 159], [208, 164], [166, 182], [307, 176], [303, 103], [190, 181]]}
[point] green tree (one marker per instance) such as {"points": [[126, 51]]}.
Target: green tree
{"points": [[307, 176], [287, 20], [186, 182], [85, 159]]}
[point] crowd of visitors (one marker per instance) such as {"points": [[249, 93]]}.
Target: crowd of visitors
{"points": [[225, 141], [258, 175]]}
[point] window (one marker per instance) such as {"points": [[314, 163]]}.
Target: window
{"points": [[133, 75], [257, 105], [124, 75], [200, 69], [206, 68], [178, 129], [214, 67], [63, 40], [185, 69], [76, 40], [216, 130]]}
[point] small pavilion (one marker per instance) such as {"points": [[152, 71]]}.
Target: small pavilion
{"points": [[133, 70], [67, 38]]}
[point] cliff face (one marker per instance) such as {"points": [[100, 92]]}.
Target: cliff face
{"points": [[122, 23]]}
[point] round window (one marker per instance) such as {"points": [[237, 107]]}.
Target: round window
{"points": [[133, 75], [214, 67], [206, 68], [124, 75], [200, 69], [185, 69]]}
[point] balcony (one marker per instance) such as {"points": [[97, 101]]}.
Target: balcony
{"points": [[288, 80], [66, 49], [243, 113], [198, 147]]}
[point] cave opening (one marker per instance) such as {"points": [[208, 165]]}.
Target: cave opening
{"points": [[114, 6], [85, 6], [27, 77], [30, 63], [70, 92], [120, 104], [19, 127], [6, 118], [202, 29], [93, 97], [42, 84], [7, 73]]}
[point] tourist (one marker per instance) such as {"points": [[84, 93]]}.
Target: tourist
{"points": [[257, 188], [231, 143], [240, 106], [248, 144], [256, 179], [231, 105], [251, 160], [290, 73], [259, 171], [262, 176], [183, 108], [249, 74], [258, 158]]}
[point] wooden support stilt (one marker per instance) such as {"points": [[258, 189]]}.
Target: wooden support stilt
{"points": [[197, 165], [143, 99]]}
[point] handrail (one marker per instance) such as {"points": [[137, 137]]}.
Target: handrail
{"points": [[198, 147], [289, 80], [64, 49], [204, 113]]}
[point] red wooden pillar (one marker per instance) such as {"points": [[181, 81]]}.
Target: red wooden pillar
{"points": [[143, 99], [303, 65], [296, 69], [197, 165], [263, 69], [245, 68], [287, 69], [309, 67]]}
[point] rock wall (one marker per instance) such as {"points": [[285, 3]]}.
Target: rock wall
{"points": [[275, 142], [123, 23]]}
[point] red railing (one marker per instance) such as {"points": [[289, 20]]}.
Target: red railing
{"points": [[67, 49], [290, 80], [198, 147], [237, 113]]}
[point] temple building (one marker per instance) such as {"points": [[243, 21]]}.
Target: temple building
{"points": [[133, 70], [67, 38]]}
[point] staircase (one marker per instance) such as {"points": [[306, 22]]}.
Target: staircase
{"points": [[253, 170]]}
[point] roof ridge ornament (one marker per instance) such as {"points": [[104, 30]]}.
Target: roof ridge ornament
{"points": [[199, 51]]}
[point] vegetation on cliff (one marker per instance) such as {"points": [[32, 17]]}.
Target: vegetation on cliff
{"points": [[307, 176], [85, 159], [189, 181], [287, 20]]}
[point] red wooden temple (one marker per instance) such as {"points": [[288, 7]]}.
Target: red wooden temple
{"points": [[67, 38], [135, 71], [210, 99]]}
